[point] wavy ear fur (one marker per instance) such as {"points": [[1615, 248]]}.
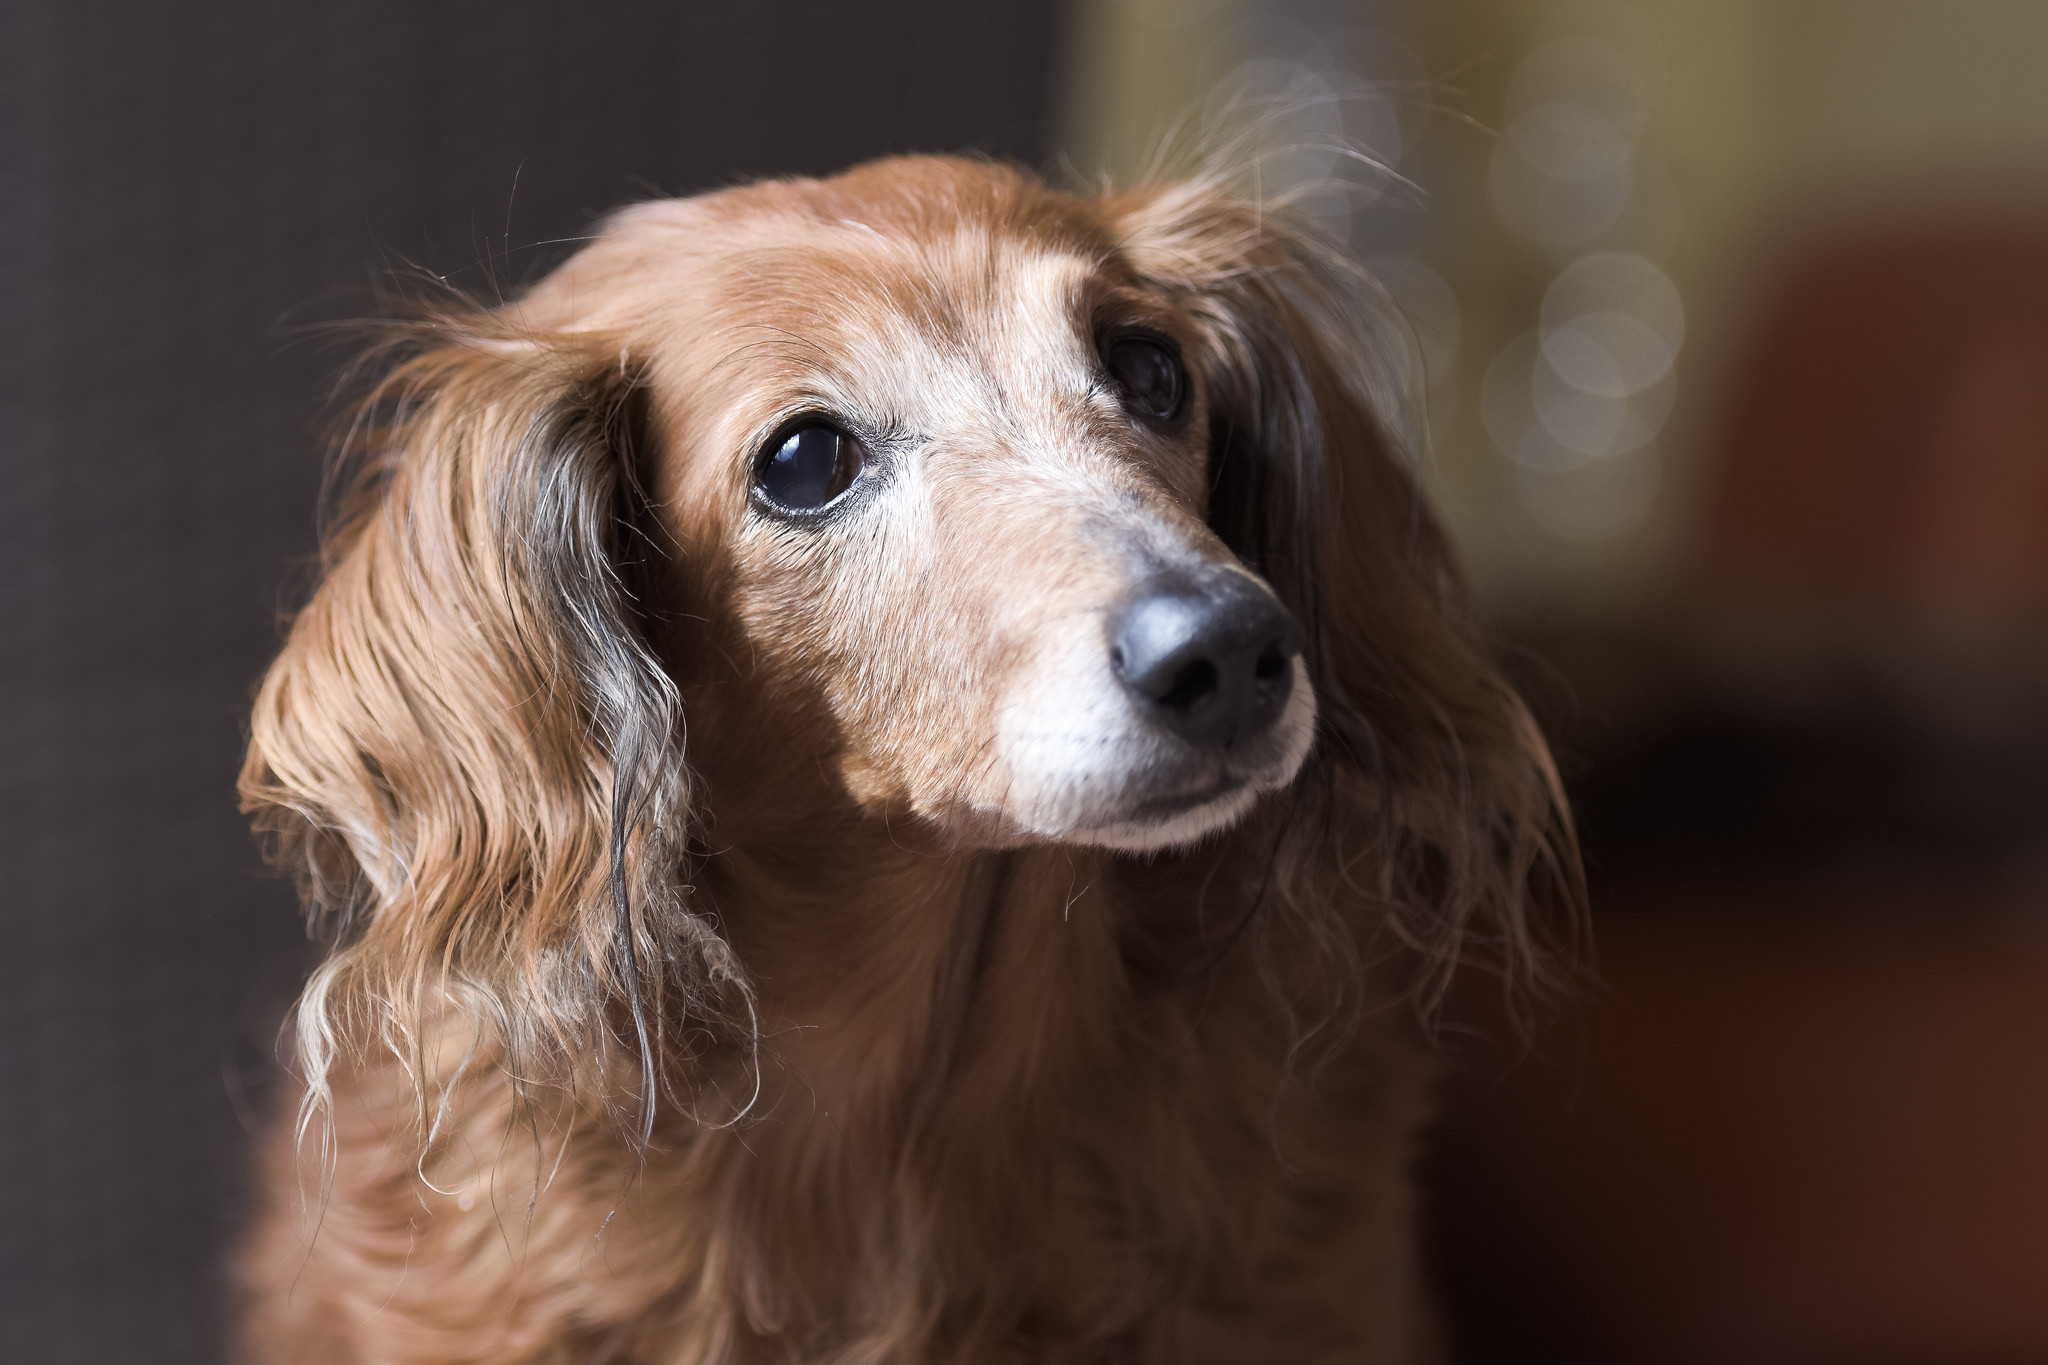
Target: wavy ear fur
{"points": [[1429, 771], [468, 751]]}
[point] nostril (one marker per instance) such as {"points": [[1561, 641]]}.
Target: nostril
{"points": [[1194, 681], [1272, 663]]}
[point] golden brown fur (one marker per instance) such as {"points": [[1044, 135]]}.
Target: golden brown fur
{"points": [[710, 977]]}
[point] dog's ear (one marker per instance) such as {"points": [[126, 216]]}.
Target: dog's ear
{"points": [[467, 748], [1308, 372]]}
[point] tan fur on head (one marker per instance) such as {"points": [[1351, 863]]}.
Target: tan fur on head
{"points": [[624, 798]]}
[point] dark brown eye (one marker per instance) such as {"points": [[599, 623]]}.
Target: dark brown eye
{"points": [[1148, 372], [808, 467]]}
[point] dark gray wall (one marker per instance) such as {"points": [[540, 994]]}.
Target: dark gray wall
{"points": [[179, 184]]}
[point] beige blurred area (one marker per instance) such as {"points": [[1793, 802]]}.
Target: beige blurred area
{"points": [[1735, 321]]}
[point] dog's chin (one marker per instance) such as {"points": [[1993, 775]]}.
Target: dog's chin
{"points": [[1133, 790], [1164, 823]]}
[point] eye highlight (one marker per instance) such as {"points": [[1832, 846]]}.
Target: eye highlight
{"points": [[808, 467], [1148, 373]]}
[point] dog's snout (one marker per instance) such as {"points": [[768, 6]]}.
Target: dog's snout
{"points": [[1213, 663]]}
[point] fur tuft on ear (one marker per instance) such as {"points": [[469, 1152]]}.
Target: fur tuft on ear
{"points": [[1431, 791], [468, 751]]}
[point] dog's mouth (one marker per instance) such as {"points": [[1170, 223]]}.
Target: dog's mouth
{"points": [[1091, 764], [1176, 804], [1180, 816], [1177, 807]]}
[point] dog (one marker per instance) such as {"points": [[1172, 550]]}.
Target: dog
{"points": [[879, 761]]}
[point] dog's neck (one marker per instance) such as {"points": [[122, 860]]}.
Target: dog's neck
{"points": [[901, 977], [881, 965]]}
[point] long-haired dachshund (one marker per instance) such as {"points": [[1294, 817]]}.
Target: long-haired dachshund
{"points": [[876, 758]]}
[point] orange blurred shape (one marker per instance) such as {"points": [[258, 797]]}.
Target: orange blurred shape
{"points": [[1885, 434], [1779, 1137]]}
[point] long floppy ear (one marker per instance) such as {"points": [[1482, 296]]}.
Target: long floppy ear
{"points": [[468, 750], [1421, 742]]}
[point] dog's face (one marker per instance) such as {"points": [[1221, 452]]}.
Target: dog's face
{"points": [[950, 458]]}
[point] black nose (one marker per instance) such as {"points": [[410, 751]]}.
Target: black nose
{"points": [[1213, 662]]}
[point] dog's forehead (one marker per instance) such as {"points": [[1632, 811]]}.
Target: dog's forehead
{"points": [[947, 240], [974, 317], [940, 322], [957, 289]]}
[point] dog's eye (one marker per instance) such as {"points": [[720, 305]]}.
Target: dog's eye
{"points": [[1149, 373], [811, 466]]}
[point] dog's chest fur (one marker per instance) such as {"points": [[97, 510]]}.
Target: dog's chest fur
{"points": [[1023, 1106]]}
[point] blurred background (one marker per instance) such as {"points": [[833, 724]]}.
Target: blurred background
{"points": [[1734, 315]]}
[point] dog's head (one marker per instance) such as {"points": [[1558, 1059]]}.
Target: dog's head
{"points": [[949, 448], [925, 493]]}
